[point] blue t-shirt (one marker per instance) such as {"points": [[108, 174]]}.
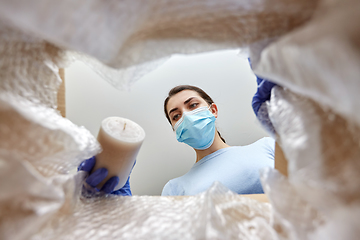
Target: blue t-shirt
{"points": [[235, 167]]}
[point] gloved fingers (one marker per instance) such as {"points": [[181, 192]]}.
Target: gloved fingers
{"points": [[89, 191], [110, 184], [87, 165], [125, 190], [97, 177], [265, 88]]}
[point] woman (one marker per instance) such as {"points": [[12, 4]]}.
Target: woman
{"points": [[192, 114], [235, 167]]}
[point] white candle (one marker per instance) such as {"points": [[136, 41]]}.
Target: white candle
{"points": [[120, 139]]}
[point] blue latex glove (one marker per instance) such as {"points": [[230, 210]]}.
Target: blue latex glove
{"points": [[99, 175], [262, 94]]}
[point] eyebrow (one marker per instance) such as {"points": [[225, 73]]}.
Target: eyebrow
{"points": [[186, 102]]}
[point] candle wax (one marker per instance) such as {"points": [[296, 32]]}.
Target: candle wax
{"points": [[120, 139]]}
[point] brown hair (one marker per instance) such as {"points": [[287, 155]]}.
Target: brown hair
{"points": [[180, 88]]}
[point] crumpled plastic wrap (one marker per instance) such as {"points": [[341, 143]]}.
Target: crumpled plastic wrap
{"points": [[326, 54], [217, 213], [322, 190], [130, 33], [315, 118], [30, 125]]}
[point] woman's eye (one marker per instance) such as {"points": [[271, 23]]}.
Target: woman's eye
{"points": [[175, 117], [193, 105]]}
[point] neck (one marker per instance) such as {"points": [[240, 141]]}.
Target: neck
{"points": [[217, 145]]}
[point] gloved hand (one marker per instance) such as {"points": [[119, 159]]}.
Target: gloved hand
{"points": [[262, 94], [98, 176]]}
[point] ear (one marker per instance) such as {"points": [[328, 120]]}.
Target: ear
{"points": [[214, 110]]}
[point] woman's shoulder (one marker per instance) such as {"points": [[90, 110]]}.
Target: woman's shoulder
{"points": [[173, 188], [265, 140], [266, 143], [167, 190]]}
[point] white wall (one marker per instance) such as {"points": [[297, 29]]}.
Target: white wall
{"points": [[225, 76]]}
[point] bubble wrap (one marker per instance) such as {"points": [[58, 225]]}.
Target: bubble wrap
{"points": [[148, 217], [323, 151], [130, 33], [326, 53], [30, 125], [319, 130], [119, 39]]}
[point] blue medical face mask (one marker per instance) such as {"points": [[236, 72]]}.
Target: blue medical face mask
{"points": [[196, 128]]}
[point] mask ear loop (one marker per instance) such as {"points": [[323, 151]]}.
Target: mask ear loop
{"points": [[210, 107]]}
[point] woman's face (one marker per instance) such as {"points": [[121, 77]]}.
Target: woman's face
{"points": [[184, 101]]}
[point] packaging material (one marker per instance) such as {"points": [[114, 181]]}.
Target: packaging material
{"points": [[326, 53], [140, 35], [217, 213], [30, 125], [322, 188], [315, 118]]}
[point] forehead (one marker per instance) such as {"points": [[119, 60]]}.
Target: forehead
{"points": [[178, 99]]}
